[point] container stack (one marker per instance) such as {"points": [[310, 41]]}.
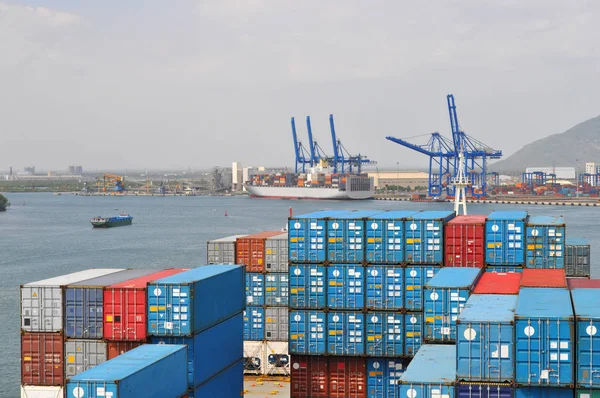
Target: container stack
{"points": [[265, 256], [577, 258], [201, 309], [430, 374], [545, 242], [222, 251]]}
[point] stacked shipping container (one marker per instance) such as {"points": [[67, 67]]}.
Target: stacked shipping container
{"points": [[577, 258]]}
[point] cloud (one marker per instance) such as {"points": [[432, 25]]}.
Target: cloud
{"points": [[39, 15]]}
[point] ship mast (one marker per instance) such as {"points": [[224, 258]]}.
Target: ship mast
{"points": [[460, 183]]}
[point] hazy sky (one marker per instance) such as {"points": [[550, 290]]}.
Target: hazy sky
{"points": [[169, 83]]}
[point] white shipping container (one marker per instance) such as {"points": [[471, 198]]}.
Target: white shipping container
{"points": [[222, 251], [41, 392], [276, 253], [276, 324], [42, 301], [83, 354], [267, 358]]}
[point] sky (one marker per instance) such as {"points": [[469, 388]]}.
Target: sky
{"points": [[177, 83]]}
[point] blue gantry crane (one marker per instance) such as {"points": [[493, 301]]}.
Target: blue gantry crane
{"points": [[302, 156], [343, 162], [317, 154], [443, 157]]}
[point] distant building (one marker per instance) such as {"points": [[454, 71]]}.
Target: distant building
{"points": [[564, 173], [236, 177], [29, 170], [75, 170], [410, 179], [592, 168]]}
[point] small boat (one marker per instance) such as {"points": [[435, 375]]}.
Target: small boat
{"points": [[120, 220]]}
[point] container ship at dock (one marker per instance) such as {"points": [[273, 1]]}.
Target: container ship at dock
{"points": [[314, 185]]}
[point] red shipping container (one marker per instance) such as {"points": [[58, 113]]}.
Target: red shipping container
{"points": [[116, 348], [337, 377], [464, 241], [125, 311], [498, 283], [544, 278], [583, 283], [250, 250], [42, 359]]}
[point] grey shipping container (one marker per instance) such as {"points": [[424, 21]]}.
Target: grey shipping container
{"points": [[276, 253], [276, 324], [577, 258], [42, 301], [221, 251], [81, 355]]}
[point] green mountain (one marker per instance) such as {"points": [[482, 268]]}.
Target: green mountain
{"points": [[3, 203], [573, 148]]}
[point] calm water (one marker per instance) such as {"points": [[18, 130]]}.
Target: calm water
{"points": [[43, 236]]}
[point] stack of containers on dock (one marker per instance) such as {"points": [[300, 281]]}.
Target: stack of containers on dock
{"points": [[42, 337], [126, 312], [222, 251], [545, 242], [445, 297], [585, 294], [432, 373], [464, 242], [577, 258], [265, 256], [202, 309], [84, 320], [505, 241]]}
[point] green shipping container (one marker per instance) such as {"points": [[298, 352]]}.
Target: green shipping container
{"points": [[587, 393]]}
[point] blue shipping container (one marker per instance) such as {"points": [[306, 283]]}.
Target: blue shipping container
{"points": [[485, 339], [254, 323], [415, 278], [385, 237], [345, 286], [424, 237], [308, 332], [385, 287], [431, 373], [413, 333], [146, 371], [385, 334], [307, 286], [255, 289], [346, 236], [306, 235], [504, 268], [505, 237], [383, 375], [545, 242], [276, 289], [192, 301], [210, 351], [84, 305], [481, 390], [587, 312], [445, 297], [544, 337], [543, 392], [228, 383], [346, 333]]}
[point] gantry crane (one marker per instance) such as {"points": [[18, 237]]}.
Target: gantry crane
{"points": [[117, 181]]}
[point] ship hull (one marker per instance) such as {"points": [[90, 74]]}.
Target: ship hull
{"points": [[306, 193], [108, 223]]}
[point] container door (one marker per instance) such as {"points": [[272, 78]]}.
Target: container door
{"points": [[345, 286], [346, 331], [255, 289], [385, 288], [307, 240], [413, 329], [385, 334], [41, 309], [414, 241], [307, 286], [588, 353], [375, 245]]}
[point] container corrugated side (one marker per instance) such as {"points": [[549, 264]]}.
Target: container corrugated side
{"points": [[221, 251], [42, 301], [415, 278], [228, 383], [504, 268], [125, 307], [482, 390], [254, 323], [432, 372], [250, 250], [577, 257], [545, 242], [385, 334], [255, 289], [346, 333], [277, 289], [385, 237], [383, 375], [116, 348], [346, 237], [505, 238], [587, 318], [308, 334], [445, 297], [424, 237], [84, 303], [543, 392], [42, 392], [384, 287], [347, 377], [276, 253], [324, 377], [276, 324], [307, 236], [210, 351], [413, 332], [464, 242], [544, 326], [200, 299], [308, 283], [42, 359], [134, 374], [83, 354], [485, 339], [345, 286]]}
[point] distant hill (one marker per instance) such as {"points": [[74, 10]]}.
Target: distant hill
{"points": [[3, 203], [581, 142]]}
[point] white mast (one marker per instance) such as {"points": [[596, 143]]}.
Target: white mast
{"points": [[460, 183]]}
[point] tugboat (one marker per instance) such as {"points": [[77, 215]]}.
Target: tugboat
{"points": [[102, 222]]}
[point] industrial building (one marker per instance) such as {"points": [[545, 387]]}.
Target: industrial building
{"points": [[408, 179]]}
